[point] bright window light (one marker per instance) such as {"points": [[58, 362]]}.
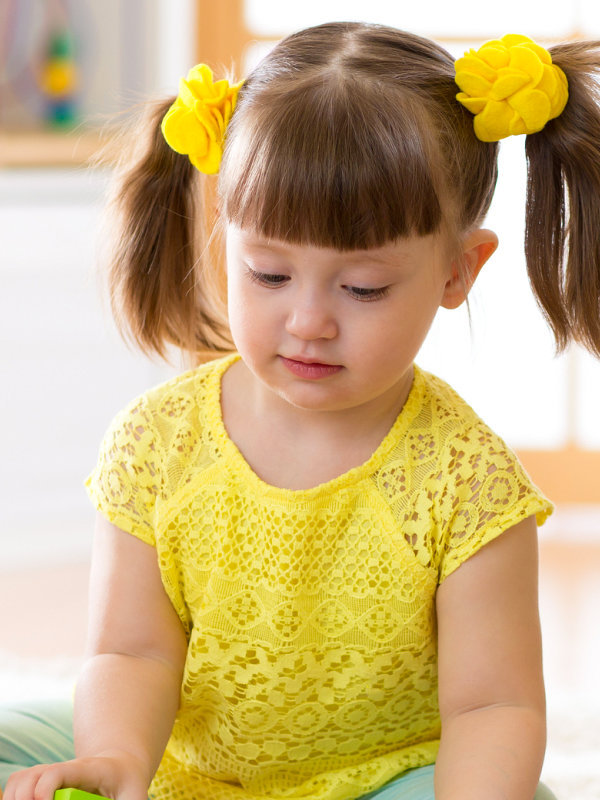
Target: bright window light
{"points": [[469, 19]]}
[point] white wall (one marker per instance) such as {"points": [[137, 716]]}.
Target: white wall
{"points": [[63, 370]]}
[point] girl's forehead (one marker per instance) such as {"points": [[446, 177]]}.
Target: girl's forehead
{"points": [[390, 253]]}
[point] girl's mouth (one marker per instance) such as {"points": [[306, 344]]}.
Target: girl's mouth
{"points": [[313, 370]]}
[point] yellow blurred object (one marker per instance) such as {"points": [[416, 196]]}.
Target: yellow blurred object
{"points": [[59, 78]]}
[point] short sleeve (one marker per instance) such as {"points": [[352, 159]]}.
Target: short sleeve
{"points": [[488, 493], [127, 481]]}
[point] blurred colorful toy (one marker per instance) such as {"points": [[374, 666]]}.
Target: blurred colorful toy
{"points": [[59, 79]]}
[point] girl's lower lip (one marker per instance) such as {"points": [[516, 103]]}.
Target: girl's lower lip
{"points": [[310, 371]]}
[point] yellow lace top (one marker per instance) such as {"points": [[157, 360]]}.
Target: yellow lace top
{"points": [[311, 667]]}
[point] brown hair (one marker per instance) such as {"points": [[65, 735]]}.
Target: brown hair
{"points": [[161, 290], [348, 135], [562, 239]]}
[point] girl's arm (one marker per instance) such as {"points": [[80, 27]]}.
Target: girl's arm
{"points": [[491, 689], [128, 693]]}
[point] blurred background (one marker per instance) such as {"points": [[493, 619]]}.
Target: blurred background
{"points": [[67, 67]]}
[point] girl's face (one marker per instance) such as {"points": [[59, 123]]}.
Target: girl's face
{"points": [[328, 330]]}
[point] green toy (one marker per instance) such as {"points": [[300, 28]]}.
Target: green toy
{"points": [[75, 794]]}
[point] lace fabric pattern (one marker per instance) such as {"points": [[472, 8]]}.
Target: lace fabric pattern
{"points": [[312, 667]]}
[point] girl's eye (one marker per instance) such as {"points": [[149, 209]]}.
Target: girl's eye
{"points": [[360, 293], [266, 278]]}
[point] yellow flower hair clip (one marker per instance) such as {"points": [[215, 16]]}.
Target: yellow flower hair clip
{"points": [[196, 123], [511, 86]]}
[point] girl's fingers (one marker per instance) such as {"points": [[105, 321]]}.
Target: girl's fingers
{"points": [[40, 782], [21, 785], [52, 778], [87, 774], [103, 776], [106, 776]]}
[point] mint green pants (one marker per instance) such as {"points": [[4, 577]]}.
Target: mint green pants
{"points": [[43, 734], [417, 784], [39, 734]]}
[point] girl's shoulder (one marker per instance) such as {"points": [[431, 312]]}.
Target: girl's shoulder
{"points": [[174, 417], [443, 411], [159, 441], [453, 483], [193, 390], [458, 445]]}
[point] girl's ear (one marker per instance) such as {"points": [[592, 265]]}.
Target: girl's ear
{"points": [[478, 246]]}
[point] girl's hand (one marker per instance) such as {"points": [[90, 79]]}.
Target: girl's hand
{"points": [[117, 775]]}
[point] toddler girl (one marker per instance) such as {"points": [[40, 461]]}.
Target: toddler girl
{"points": [[315, 568]]}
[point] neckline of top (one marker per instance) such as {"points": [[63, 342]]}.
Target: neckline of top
{"points": [[229, 450]]}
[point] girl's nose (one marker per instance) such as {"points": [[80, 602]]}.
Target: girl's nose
{"points": [[310, 320]]}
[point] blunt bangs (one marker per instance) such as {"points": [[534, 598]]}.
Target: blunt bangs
{"points": [[323, 163]]}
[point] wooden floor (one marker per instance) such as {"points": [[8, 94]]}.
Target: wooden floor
{"points": [[569, 609], [43, 611]]}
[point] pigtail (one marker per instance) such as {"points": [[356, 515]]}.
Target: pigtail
{"points": [[163, 287], [562, 238]]}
